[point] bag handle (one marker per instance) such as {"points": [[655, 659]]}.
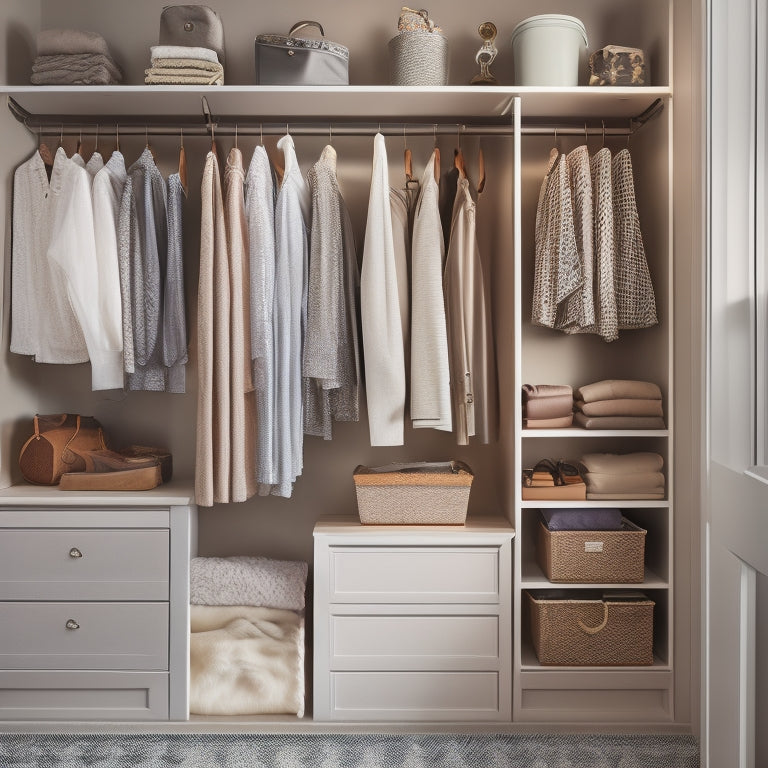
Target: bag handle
{"points": [[301, 24], [600, 627]]}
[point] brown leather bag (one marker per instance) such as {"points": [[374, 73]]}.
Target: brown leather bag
{"points": [[56, 445]]}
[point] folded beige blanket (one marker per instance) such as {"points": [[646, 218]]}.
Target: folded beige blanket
{"points": [[622, 463], [159, 52], [246, 661], [170, 79], [631, 482], [531, 391], [621, 407], [98, 75], [618, 422], [77, 63], [54, 41], [657, 494], [560, 423], [549, 407], [614, 389]]}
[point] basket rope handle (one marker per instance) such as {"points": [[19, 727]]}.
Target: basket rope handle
{"points": [[600, 627]]}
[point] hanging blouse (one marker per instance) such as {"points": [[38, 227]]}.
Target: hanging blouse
{"points": [[212, 465], [175, 355], [470, 334], [607, 324], [143, 255], [635, 300], [242, 399], [380, 310], [107, 190], [331, 364], [558, 270], [43, 323], [292, 214], [260, 217], [430, 377], [577, 313]]}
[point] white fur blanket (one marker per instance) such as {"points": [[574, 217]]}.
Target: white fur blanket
{"points": [[246, 661], [242, 580]]}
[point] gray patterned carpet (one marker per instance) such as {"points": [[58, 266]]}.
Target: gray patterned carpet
{"points": [[346, 751]]}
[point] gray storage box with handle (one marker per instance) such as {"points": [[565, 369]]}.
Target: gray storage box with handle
{"points": [[290, 60]]}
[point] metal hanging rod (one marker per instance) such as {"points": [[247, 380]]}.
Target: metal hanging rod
{"points": [[248, 125]]}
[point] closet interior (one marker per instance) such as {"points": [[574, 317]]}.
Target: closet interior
{"points": [[515, 127]]}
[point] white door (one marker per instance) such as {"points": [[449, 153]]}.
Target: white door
{"points": [[736, 530]]}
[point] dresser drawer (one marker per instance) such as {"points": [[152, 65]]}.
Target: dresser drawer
{"points": [[81, 564], [84, 636], [415, 696], [426, 642], [417, 574], [83, 695]]}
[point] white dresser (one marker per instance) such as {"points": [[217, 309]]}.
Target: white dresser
{"points": [[94, 604], [412, 623]]}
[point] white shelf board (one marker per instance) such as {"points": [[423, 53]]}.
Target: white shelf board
{"points": [[529, 663], [622, 503], [175, 493], [356, 102], [533, 578], [579, 432]]}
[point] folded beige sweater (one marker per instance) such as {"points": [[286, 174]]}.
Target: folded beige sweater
{"points": [[549, 407], [657, 494], [631, 482], [621, 407], [562, 422], [618, 422], [55, 41], [614, 389], [618, 463], [532, 391]]}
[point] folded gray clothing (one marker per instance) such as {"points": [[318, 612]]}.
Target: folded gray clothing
{"points": [[54, 41], [618, 463], [618, 422], [159, 52], [77, 62], [613, 389], [257, 581], [658, 493], [621, 407], [549, 407], [630, 482], [563, 422], [98, 75], [532, 391], [582, 519]]}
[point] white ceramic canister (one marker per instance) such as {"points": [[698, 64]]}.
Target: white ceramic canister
{"points": [[548, 49]]}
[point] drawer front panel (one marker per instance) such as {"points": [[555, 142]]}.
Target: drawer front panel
{"points": [[84, 636], [415, 696], [414, 642], [84, 564], [414, 574], [31, 695]]}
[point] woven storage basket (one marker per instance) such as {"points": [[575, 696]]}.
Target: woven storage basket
{"points": [[607, 632], [418, 57], [608, 557], [413, 494]]}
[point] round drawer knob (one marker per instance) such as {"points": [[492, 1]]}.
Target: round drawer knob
{"points": [[75, 553], [72, 624]]}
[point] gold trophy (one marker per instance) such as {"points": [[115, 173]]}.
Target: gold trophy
{"points": [[485, 56]]}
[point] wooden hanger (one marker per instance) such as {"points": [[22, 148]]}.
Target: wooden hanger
{"points": [[182, 164], [436, 169], [458, 163], [480, 170], [45, 152]]}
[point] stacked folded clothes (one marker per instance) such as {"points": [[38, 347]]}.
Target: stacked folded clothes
{"points": [[184, 65], [547, 406], [619, 404], [624, 476], [73, 57]]}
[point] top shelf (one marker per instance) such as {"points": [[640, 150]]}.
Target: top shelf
{"points": [[135, 103]]}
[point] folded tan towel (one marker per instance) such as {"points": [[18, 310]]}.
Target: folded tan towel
{"points": [[631, 482], [614, 389], [158, 52], [618, 422], [54, 41], [549, 407], [184, 72], [167, 78], [531, 391], [561, 423], [195, 66], [657, 494], [617, 463], [621, 407]]}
